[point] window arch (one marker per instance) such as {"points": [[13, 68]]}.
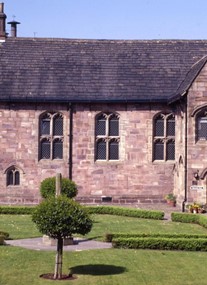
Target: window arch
{"points": [[51, 136], [12, 176], [164, 137], [107, 136]]}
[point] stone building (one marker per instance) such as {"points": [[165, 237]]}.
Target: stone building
{"points": [[125, 119]]}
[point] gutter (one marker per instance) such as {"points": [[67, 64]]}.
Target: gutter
{"points": [[82, 101], [70, 161], [186, 154]]}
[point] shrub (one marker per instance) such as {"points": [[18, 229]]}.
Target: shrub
{"points": [[192, 244], [60, 217], [4, 234], [128, 212], [190, 218], [2, 240], [48, 185], [109, 237], [16, 210]]}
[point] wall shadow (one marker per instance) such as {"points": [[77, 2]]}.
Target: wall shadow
{"points": [[97, 269]]}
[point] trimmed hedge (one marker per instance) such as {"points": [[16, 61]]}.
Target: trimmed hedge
{"points": [[4, 234], [109, 237], [2, 240], [127, 212], [110, 210], [16, 210], [190, 218], [193, 244]]}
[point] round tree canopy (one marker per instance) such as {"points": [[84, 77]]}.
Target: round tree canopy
{"points": [[60, 217]]}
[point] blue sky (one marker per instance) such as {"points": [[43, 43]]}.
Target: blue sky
{"points": [[109, 19]]}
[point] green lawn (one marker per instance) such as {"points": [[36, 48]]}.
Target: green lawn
{"points": [[103, 267], [21, 226]]}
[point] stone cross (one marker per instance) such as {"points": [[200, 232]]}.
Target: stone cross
{"points": [[58, 184]]}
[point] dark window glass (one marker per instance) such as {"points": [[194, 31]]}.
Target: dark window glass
{"points": [[113, 126], [171, 127], [16, 178], [170, 150], [101, 126], [10, 178], [58, 149], [45, 126], [159, 127], [159, 151], [101, 150], [58, 126], [202, 128], [45, 149], [113, 150]]}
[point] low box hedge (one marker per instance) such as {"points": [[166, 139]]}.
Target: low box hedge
{"points": [[127, 212], [193, 244], [2, 239], [4, 234], [109, 237], [200, 219], [119, 211], [16, 210]]}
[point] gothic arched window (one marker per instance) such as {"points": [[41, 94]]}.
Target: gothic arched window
{"points": [[164, 137], [107, 137], [51, 136], [12, 176]]}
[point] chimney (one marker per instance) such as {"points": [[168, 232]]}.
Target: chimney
{"points": [[2, 23], [13, 28]]}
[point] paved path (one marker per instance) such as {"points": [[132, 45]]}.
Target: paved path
{"points": [[79, 244]]}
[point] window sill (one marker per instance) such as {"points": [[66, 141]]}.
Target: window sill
{"points": [[163, 161]]}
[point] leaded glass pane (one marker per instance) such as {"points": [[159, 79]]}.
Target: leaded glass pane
{"points": [[158, 151], [16, 178], [10, 180], [171, 127], [58, 126], [101, 150], [113, 150], [45, 149], [202, 128], [159, 127], [101, 126], [170, 150], [57, 149], [45, 126], [113, 126]]}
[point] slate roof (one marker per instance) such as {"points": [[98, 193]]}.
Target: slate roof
{"points": [[68, 70]]}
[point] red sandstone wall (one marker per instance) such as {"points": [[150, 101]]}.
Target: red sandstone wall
{"points": [[134, 176], [19, 146], [197, 151]]}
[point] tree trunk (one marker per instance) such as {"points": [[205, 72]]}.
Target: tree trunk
{"points": [[59, 259]]}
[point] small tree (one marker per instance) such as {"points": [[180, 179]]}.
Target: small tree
{"points": [[60, 217], [48, 187]]}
